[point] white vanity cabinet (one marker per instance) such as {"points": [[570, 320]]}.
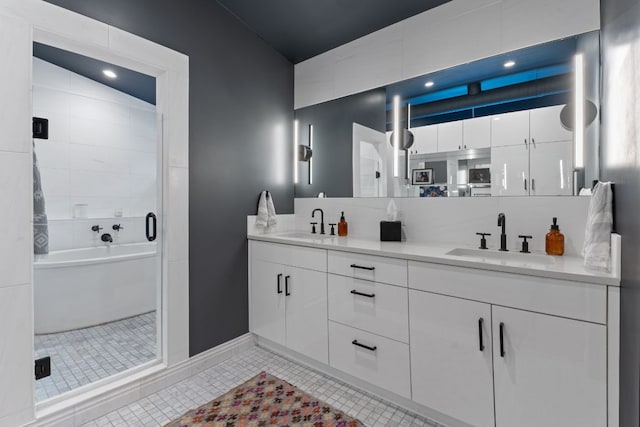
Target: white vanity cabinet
{"points": [[548, 370], [451, 356], [289, 303], [544, 359], [369, 319]]}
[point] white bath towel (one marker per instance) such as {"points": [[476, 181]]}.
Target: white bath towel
{"points": [[597, 236], [266, 211]]}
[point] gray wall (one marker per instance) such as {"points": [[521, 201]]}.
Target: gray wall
{"points": [[619, 163], [332, 135], [241, 115]]}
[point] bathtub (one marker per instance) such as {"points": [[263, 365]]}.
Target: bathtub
{"points": [[79, 288]]}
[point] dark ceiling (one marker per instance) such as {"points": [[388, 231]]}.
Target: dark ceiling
{"points": [[136, 84], [301, 29]]}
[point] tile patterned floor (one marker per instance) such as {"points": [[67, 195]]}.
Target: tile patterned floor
{"points": [[83, 356], [165, 405]]}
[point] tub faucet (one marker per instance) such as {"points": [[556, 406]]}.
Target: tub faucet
{"points": [[502, 222], [106, 237], [313, 214]]}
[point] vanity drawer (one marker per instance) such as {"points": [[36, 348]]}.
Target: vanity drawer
{"points": [[296, 256], [368, 267], [372, 306], [385, 363], [576, 300]]}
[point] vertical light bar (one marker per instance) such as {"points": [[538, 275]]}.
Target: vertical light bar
{"points": [[578, 132], [561, 175], [407, 162], [396, 134], [311, 159], [295, 151]]}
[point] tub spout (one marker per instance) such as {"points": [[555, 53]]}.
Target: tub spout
{"points": [[106, 237]]}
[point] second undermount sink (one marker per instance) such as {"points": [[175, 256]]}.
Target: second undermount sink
{"points": [[493, 256]]}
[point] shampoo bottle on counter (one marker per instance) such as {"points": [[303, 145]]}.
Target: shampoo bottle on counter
{"points": [[554, 243], [343, 228]]}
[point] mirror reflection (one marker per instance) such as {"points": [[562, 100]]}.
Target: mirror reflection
{"points": [[500, 126]]}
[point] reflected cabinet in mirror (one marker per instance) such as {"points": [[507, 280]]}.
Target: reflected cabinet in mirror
{"points": [[501, 126]]}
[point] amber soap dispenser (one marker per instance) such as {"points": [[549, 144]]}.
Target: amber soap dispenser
{"points": [[554, 243], [343, 228]]}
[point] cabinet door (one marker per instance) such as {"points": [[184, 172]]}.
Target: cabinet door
{"points": [[546, 125], [476, 133], [306, 313], [510, 129], [425, 140], [551, 168], [450, 371], [553, 371], [450, 136], [267, 303], [510, 170]]}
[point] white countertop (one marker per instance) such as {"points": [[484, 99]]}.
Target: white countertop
{"points": [[559, 267]]}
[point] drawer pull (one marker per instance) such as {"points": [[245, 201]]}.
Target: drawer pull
{"points": [[356, 343], [286, 286], [480, 323], [502, 339], [353, 291], [362, 268], [279, 287]]}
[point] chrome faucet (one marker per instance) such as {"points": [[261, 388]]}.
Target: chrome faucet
{"points": [[502, 222], [313, 214]]}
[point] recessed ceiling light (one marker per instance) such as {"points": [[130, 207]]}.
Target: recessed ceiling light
{"points": [[509, 64], [110, 74], [428, 84]]}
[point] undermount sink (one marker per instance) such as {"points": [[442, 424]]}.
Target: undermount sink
{"points": [[492, 256], [305, 235]]}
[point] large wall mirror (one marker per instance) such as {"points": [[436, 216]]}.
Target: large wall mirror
{"points": [[500, 126]]}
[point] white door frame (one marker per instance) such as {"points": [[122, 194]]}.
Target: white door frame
{"points": [[36, 20]]}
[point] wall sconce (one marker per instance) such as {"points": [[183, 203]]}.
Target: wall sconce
{"points": [[295, 151], [401, 138], [578, 132], [311, 151]]}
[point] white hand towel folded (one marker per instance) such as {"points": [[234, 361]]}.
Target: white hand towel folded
{"points": [[597, 236], [266, 211]]}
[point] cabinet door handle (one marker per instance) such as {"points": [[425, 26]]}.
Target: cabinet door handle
{"points": [[502, 353], [286, 286], [533, 184], [525, 142], [356, 343], [353, 291], [480, 324], [279, 286], [362, 268], [525, 183]]}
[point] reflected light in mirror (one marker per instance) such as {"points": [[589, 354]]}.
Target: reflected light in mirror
{"points": [[429, 84], [561, 174], [509, 64], [579, 112], [396, 134], [109, 73], [295, 151], [311, 159]]}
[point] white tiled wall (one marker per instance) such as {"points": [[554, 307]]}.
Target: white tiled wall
{"points": [[77, 233], [454, 33], [102, 146]]}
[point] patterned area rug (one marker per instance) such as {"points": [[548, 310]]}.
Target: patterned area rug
{"points": [[266, 401]]}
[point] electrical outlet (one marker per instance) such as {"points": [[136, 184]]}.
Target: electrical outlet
{"points": [[43, 367]]}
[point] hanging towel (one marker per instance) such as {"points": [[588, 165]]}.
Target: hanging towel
{"points": [[266, 211], [597, 237], [40, 223]]}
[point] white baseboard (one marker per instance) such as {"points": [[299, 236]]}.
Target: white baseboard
{"points": [[95, 403]]}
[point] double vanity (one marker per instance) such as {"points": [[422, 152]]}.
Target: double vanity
{"points": [[467, 337]]}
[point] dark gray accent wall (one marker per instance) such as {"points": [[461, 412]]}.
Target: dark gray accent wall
{"points": [[240, 129], [620, 144], [332, 140]]}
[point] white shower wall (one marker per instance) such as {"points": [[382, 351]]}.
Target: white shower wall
{"points": [[102, 149]]}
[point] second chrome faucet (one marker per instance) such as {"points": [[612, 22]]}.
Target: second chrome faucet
{"points": [[502, 222]]}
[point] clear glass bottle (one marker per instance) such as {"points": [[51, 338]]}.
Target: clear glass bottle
{"points": [[343, 228], [554, 242]]}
